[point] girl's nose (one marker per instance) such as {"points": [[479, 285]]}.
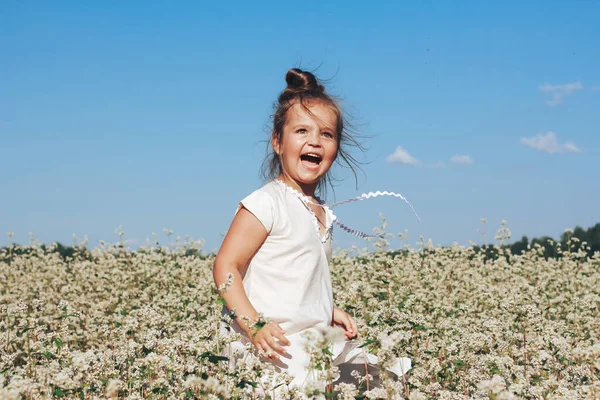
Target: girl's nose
{"points": [[314, 139]]}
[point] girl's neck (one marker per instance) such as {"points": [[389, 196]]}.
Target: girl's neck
{"points": [[306, 189]]}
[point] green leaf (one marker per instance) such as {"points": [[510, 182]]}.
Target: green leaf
{"points": [[57, 342], [67, 316], [242, 384], [213, 358], [22, 331], [368, 342], [495, 370], [221, 301], [160, 390], [417, 326]]}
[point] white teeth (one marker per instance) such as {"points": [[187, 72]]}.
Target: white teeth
{"points": [[312, 154]]}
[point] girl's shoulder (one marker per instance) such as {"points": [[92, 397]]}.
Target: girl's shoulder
{"points": [[264, 203], [269, 193]]}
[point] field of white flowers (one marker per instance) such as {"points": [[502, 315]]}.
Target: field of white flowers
{"points": [[112, 323]]}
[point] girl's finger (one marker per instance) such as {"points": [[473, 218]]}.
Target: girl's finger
{"points": [[282, 339], [258, 347], [278, 327], [269, 353], [354, 326], [346, 320], [274, 345]]}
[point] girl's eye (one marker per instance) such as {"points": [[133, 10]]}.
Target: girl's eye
{"points": [[302, 130], [327, 135]]}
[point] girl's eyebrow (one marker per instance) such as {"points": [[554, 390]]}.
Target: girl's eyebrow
{"points": [[296, 126], [322, 128], [328, 129]]}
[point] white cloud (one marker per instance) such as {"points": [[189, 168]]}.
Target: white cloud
{"points": [[549, 143], [558, 92], [439, 164], [461, 159], [402, 156], [570, 147]]}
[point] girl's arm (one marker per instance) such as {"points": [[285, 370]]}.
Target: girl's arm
{"points": [[244, 238]]}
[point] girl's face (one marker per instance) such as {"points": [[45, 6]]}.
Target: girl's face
{"points": [[308, 145]]}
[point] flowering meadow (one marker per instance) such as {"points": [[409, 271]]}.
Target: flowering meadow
{"points": [[116, 323]]}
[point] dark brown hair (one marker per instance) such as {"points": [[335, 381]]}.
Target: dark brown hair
{"points": [[303, 87]]}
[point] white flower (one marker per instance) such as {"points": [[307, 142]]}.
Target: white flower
{"points": [[112, 388], [347, 391], [505, 395], [494, 385], [416, 395], [376, 393], [334, 334], [385, 341]]}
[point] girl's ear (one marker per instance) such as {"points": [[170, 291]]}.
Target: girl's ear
{"points": [[275, 143]]}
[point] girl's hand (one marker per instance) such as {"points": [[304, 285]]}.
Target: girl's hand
{"points": [[342, 319], [269, 339]]}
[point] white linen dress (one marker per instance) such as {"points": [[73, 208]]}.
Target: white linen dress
{"points": [[289, 282]]}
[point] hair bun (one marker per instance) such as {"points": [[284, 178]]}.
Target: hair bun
{"points": [[302, 81]]}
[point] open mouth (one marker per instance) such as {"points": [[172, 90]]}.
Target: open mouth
{"points": [[311, 159]]}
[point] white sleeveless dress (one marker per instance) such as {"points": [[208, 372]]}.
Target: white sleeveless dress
{"points": [[288, 279]]}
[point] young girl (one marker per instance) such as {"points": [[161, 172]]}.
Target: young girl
{"points": [[279, 244]]}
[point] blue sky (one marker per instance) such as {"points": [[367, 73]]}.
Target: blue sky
{"points": [[153, 115]]}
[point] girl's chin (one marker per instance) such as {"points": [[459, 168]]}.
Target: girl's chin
{"points": [[302, 179]]}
